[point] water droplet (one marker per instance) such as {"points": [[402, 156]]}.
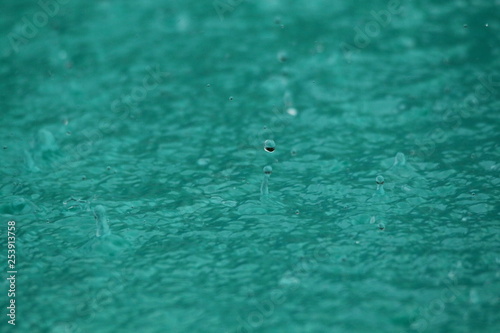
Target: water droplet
{"points": [[282, 57], [400, 159], [292, 112], [102, 227], [269, 146], [380, 185], [264, 187]]}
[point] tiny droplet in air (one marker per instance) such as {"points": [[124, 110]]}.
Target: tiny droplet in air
{"points": [[269, 146]]}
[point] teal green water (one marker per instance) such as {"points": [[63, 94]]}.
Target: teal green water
{"points": [[132, 161]]}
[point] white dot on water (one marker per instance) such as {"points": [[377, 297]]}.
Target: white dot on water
{"points": [[269, 146], [292, 112]]}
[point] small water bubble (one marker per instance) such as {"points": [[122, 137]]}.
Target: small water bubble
{"points": [[297, 212], [267, 170], [282, 57], [293, 152], [208, 85], [269, 146], [381, 226], [230, 98], [108, 168], [84, 177], [486, 25], [379, 180]]}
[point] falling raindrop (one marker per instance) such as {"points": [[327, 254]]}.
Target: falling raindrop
{"points": [[269, 146], [102, 227]]}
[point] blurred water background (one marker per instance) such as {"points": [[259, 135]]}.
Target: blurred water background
{"points": [[150, 118]]}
